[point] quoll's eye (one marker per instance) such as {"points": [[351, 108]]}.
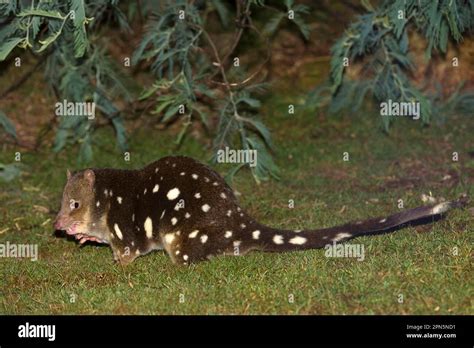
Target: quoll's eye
{"points": [[73, 204]]}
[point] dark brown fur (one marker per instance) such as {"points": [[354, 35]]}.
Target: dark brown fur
{"points": [[121, 208]]}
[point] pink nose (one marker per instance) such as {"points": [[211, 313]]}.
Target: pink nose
{"points": [[57, 224]]}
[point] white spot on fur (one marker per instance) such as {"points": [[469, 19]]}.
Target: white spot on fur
{"points": [[229, 212], [162, 214], [133, 217], [278, 239], [237, 243], [205, 208], [185, 257], [223, 195], [193, 234], [228, 234], [182, 173], [169, 238], [106, 192], [440, 208], [187, 215], [195, 176], [118, 232], [97, 204], [340, 236], [215, 183], [203, 238], [298, 240], [197, 195], [242, 226], [382, 221], [177, 252], [206, 179], [173, 194], [156, 188], [256, 234], [144, 191], [174, 221], [157, 169], [119, 200], [238, 209], [148, 225]]}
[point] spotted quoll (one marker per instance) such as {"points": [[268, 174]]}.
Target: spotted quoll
{"points": [[187, 209]]}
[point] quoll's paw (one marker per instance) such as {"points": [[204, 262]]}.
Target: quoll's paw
{"points": [[126, 256]]}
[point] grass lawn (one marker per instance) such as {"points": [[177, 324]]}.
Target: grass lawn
{"points": [[429, 267]]}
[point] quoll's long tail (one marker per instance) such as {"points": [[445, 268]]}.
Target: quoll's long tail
{"points": [[270, 239]]}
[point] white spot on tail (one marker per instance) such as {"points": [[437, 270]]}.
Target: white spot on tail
{"points": [[440, 208], [340, 236], [173, 194], [298, 240], [256, 234], [278, 239], [193, 234], [148, 225], [118, 232]]}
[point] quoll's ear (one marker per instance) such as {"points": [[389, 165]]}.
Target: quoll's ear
{"points": [[68, 174], [89, 175]]}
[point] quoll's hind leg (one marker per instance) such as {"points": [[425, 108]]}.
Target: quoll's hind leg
{"points": [[199, 244]]}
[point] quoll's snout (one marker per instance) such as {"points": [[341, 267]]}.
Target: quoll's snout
{"points": [[59, 223]]}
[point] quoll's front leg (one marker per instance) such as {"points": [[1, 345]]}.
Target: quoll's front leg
{"points": [[125, 254]]}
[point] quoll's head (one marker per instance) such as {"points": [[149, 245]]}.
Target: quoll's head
{"points": [[75, 216]]}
